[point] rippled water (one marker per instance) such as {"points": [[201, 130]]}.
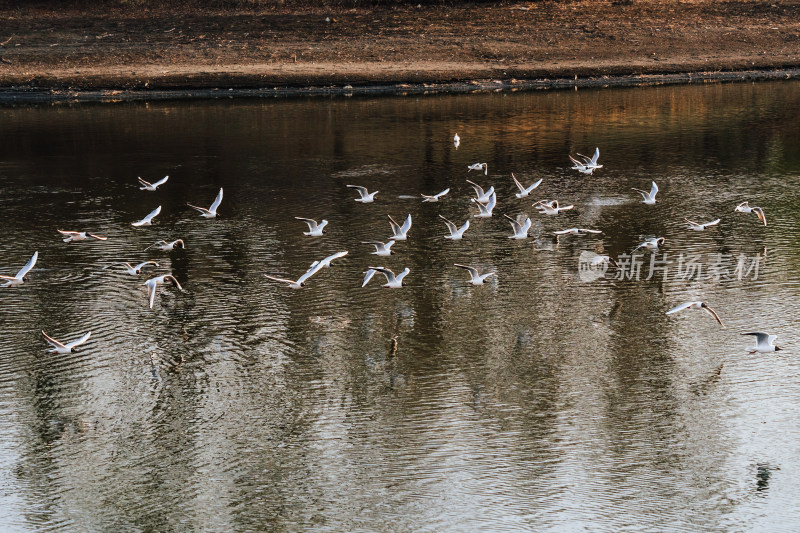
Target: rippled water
{"points": [[538, 401]]}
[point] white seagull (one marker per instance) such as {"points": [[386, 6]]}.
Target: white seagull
{"points": [[576, 231], [700, 227], [591, 162], [435, 197], [478, 166], [365, 197], [651, 244], [152, 285], [485, 210], [211, 212], [481, 195], [551, 207], [476, 278], [580, 166], [524, 191], [648, 198], [167, 246], [456, 140], [60, 347], [74, 236], [148, 220], [392, 281], [456, 233], [326, 263], [147, 186], [314, 229], [137, 269], [400, 232], [696, 305], [520, 228], [745, 207], [300, 282], [20, 278], [382, 249], [764, 343]]}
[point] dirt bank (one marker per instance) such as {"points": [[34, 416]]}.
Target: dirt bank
{"points": [[523, 43]]}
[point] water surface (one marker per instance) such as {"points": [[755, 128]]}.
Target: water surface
{"points": [[538, 401]]}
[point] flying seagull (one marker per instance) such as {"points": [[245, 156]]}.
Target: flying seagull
{"points": [[211, 212]]}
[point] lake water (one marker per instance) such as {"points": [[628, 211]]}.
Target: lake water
{"points": [[542, 400]]}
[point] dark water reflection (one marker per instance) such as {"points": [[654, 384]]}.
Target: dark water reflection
{"points": [[538, 401]]}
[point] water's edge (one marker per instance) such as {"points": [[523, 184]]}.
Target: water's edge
{"points": [[36, 95]]}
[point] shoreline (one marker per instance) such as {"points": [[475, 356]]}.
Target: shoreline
{"points": [[12, 96]]}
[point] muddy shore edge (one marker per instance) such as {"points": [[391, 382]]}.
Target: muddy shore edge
{"points": [[11, 96]]}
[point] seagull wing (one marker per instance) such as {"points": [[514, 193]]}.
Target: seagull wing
{"points": [[406, 224], [680, 308], [368, 276], [390, 277], [760, 214], [312, 224], [145, 183], [331, 257], [519, 185], [653, 191], [78, 342], [361, 190], [712, 223], [162, 181], [450, 226], [395, 226], [54, 343], [564, 231], [447, 190], [596, 156], [62, 232], [762, 338], [217, 201], [714, 314], [151, 292], [492, 202], [284, 280], [514, 224], [310, 272], [478, 189], [201, 209], [590, 230], [24, 270], [472, 271]]}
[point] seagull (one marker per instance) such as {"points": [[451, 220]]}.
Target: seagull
{"points": [[72, 236], [485, 210], [435, 197], [764, 343], [167, 246], [649, 198], [211, 212], [59, 347], [152, 285], [598, 260], [380, 248], [147, 186], [523, 191], [580, 166], [300, 282], [482, 196], [651, 244], [576, 231], [456, 234], [326, 263], [366, 197], [20, 278], [700, 227], [696, 305], [456, 140], [477, 279], [400, 232], [591, 162], [744, 207], [392, 281], [551, 207], [520, 228], [136, 270], [314, 229], [478, 166], [148, 220]]}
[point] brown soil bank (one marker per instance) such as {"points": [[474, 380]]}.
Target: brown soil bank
{"points": [[184, 48]]}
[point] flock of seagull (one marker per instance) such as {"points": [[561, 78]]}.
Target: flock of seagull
{"points": [[485, 201]]}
